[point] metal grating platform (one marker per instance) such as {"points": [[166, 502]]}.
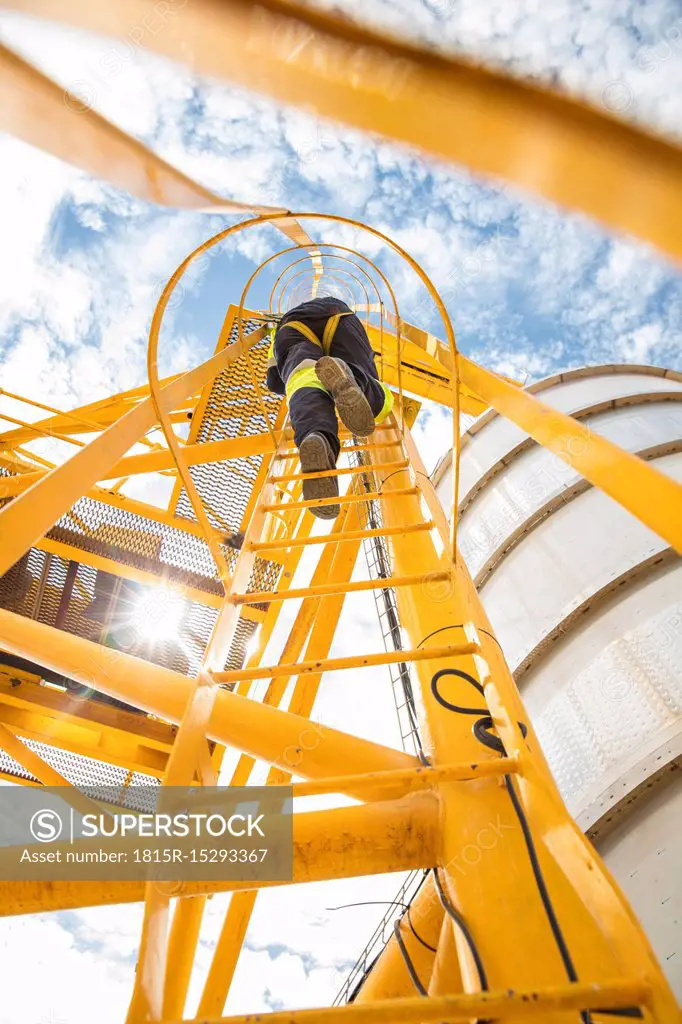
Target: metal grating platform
{"points": [[36, 585], [89, 775], [103, 606]]}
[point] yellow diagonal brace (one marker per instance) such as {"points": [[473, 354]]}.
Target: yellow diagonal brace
{"points": [[549, 143], [265, 732], [158, 461], [648, 494], [25, 520], [43, 113], [44, 772]]}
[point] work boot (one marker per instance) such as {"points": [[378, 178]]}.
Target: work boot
{"points": [[317, 456], [354, 410]]}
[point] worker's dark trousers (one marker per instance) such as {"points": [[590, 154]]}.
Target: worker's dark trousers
{"points": [[312, 409]]}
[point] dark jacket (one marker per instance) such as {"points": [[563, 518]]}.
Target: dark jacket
{"points": [[350, 341]]}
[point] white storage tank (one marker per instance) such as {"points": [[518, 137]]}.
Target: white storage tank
{"points": [[587, 605]]}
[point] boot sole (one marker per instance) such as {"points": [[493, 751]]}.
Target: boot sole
{"points": [[315, 458], [353, 408]]}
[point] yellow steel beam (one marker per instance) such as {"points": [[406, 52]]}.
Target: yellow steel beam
{"points": [[42, 113], [268, 733], [638, 486], [389, 785], [135, 742], [161, 460], [184, 933], [598, 930], [344, 499], [105, 411], [550, 143], [46, 774], [413, 580], [154, 984], [115, 568], [33, 429], [425, 369], [103, 414], [294, 542], [348, 662], [46, 115], [348, 447], [346, 842], [184, 936], [343, 471], [532, 1002], [446, 960], [226, 953]]}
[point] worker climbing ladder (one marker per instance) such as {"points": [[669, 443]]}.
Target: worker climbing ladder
{"points": [[518, 916]]}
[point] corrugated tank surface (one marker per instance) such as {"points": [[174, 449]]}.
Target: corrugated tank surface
{"points": [[587, 604]]}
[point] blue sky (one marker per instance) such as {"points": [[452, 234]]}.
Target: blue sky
{"points": [[531, 290]]}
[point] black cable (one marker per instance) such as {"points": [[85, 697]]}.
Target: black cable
{"points": [[408, 962], [624, 1011], [390, 903], [481, 732], [542, 889], [363, 978], [464, 928], [371, 903], [431, 949], [481, 728], [459, 625], [386, 479]]}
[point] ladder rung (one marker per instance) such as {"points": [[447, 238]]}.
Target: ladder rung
{"points": [[344, 471], [344, 499], [344, 434], [370, 446], [329, 589], [353, 661], [346, 449], [339, 538]]}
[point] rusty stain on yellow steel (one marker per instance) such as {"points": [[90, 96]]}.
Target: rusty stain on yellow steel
{"points": [[536, 1002], [347, 842], [351, 661]]}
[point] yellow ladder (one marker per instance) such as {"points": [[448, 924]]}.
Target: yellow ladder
{"points": [[519, 916]]}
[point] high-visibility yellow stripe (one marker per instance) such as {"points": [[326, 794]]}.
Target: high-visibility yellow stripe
{"points": [[306, 378], [387, 406], [271, 349]]}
